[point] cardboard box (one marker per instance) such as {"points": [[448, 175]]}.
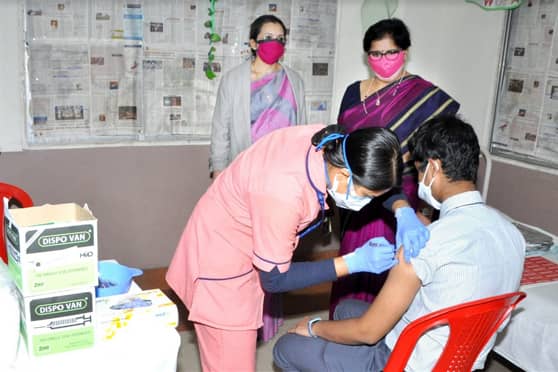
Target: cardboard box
{"points": [[117, 312], [60, 322], [51, 247]]}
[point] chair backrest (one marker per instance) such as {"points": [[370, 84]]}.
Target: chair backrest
{"points": [[22, 198], [471, 324]]}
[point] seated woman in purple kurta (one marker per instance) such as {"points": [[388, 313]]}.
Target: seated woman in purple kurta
{"points": [[393, 99]]}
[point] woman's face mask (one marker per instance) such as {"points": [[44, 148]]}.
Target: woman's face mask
{"points": [[349, 200], [386, 59], [270, 51], [425, 192], [386, 69]]}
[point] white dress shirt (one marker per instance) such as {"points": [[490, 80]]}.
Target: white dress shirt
{"points": [[473, 252]]}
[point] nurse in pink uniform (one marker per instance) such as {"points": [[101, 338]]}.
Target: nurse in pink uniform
{"points": [[242, 233]]}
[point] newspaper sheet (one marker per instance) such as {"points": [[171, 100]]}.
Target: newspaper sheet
{"points": [[133, 70], [526, 123]]}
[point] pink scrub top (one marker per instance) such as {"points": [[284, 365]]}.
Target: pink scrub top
{"points": [[247, 219]]}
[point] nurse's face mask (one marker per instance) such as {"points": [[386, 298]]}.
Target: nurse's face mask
{"points": [[350, 199]]}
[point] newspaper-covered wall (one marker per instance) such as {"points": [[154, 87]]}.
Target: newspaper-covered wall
{"points": [[113, 71], [526, 120]]}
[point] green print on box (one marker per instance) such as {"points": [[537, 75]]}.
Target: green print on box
{"points": [[47, 308], [62, 238], [59, 342], [58, 323], [51, 247]]}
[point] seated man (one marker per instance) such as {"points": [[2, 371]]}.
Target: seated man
{"points": [[473, 252]]}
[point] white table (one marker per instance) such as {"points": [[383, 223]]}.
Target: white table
{"points": [[530, 341], [143, 347]]}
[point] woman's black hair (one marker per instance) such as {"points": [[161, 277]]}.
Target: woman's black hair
{"points": [[373, 155], [256, 26], [392, 27]]}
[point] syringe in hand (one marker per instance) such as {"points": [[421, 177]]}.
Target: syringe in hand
{"points": [[69, 322]]}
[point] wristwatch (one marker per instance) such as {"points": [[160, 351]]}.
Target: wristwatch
{"points": [[311, 323]]}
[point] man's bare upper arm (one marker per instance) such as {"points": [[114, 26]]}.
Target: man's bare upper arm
{"points": [[396, 295]]}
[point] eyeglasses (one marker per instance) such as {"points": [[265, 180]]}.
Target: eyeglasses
{"points": [[390, 54], [280, 39]]}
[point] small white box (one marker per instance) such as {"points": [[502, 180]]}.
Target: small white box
{"points": [[116, 312], [51, 247]]}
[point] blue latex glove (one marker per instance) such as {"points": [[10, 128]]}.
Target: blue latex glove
{"points": [[375, 256], [411, 233]]}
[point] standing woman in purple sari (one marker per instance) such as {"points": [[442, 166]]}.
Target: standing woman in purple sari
{"points": [[253, 99], [398, 100]]}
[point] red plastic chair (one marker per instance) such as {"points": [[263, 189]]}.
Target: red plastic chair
{"points": [[472, 324], [22, 198]]}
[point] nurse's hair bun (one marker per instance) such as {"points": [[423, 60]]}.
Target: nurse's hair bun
{"points": [[329, 137]]}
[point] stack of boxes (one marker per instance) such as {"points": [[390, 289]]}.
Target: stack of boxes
{"points": [[52, 258]]}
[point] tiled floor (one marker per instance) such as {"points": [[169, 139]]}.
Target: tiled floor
{"points": [[188, 360], [297, 304]]}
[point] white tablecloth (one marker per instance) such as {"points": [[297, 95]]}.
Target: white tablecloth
{"points": [[149, 348], [530, 341], [138, 347]]}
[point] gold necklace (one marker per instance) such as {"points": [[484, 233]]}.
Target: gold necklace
{"points": [[378, 96], [366, 95]]}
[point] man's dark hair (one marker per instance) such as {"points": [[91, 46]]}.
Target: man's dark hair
{"points": [[451, 140]]}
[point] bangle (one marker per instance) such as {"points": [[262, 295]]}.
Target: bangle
{"points": [[311, 323]]}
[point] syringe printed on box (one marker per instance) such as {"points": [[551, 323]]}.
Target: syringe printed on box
{"points": [[58, 322]]}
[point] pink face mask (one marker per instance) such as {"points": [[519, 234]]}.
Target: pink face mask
{"points": [[385, 69], [270, 51]]}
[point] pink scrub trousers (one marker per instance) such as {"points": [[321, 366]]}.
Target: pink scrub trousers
{"points": [[225, 350]]}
